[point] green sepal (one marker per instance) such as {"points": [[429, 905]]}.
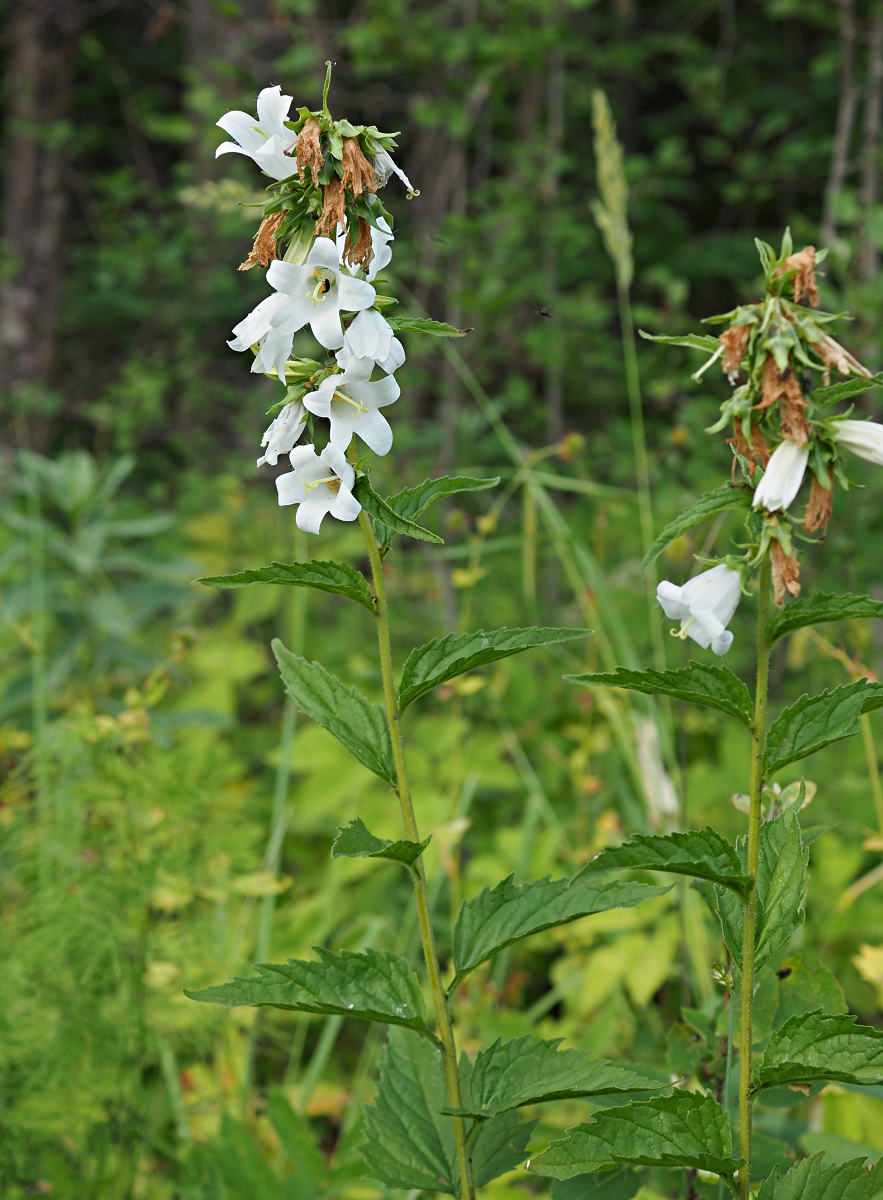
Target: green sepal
{"points": [[699, 683], [814, 722], [426, 325], [432, 664], [374, 985], [817, 1046], [498, 917], [729, 495], [381, 510], [685, 1129], [356, 841], [325, 576], [815, 610], [356, 723], [411, 502], [702, 853]]}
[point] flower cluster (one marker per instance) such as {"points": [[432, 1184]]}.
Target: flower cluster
{"points": [[324, 237], [778, 357]]}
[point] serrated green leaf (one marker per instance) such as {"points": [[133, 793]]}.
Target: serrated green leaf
{"points": [[846, 390], [693, 341], [445, 658], [499, 1146], [508, 1075], [815, 610], [356, 841], [685, 1129], [499, 916], [699, 683], [623, 1184], [729, 495], [409, 1144], [356, 723], [812, 1179], [814, 722], [425, 325], [804, 987], [817, 1046], [702, 853], [374, 985], [325, 576], [380, 510], [411, 502]]}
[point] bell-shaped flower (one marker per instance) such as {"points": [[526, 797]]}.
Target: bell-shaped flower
{"points": [[385, 167], [704, 606], [380, 239], [282, 434], [782, 477], [352, 403], [266, 140], [319, 484], [363, 345], [864, 438], [313, 294]]}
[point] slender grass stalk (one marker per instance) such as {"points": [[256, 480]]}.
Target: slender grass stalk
{"points": [[39, 691], [529, 547], [409, 818], [873, 768], [758, 739]]}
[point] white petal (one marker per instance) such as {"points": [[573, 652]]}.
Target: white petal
{"points": [[354, 294], [258, 322], [375, 431], [375, 395], [345, 507], [669, 596], [325, 324], [721, 644], [243, 128], [290, 489], [335, 460], [289, 277], [395, 358], [782, 478], [273, 111], [864, 438], [302, 456], [273, 161], [324, 254], [309, 514]]}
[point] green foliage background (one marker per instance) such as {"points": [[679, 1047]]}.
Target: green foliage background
{"points": [[133, 855]]}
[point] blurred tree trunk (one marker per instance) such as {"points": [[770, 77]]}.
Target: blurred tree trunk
{"points": [[42, 43], [868, 256], [845, 114]]}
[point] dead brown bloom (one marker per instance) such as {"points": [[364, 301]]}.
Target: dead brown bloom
{"points": [[821, 504], [358, 174], [263, 252], [735, 342], [360, 254], [786, 572], [804, 282], [308, 149], [333, 208], [758, 451], [834, 355], [785, 388]]}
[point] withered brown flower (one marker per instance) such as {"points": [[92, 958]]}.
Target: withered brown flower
{"points": [[360, 253], [263, 252], [804, 282], [333, 208], [358, 174], [758, 450], [786, 572], [820, 506], [735, 342], [308, 149]]}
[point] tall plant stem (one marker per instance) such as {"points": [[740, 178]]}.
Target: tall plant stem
{"points": [[424, 917], [758, 738], [642, 462]]}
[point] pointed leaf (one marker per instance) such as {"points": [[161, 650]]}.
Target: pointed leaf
{"points": [[444, 658], [497, 917], [813, 1179], [846, 390], [698, 683], [693, 341], [326, 576], [374, 985], [623, 1184], [409, 1143], [685, 1129], [803, 987], [729, 495], [499, 1146], [411, 502], [343, 711], [425, 325], [814, 722], [357, 841], [508, 1075], [381, 511], [817, 1046], [814, 610], [702, 853]]}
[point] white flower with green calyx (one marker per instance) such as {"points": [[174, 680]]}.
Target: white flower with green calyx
{"points": [[704, 605], [318, 484], [283, 433], [864, 438], [313, 294], [381, 236], [352, 403], [266, 140], [782, 477], [370, 337]]}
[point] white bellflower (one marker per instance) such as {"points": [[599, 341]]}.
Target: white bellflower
{"points": [[864, 438], [318, 484], [782, 477], [266, 140], [704, 606], [352, 403]]}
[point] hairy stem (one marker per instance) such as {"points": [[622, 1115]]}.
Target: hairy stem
{"points": [[758, 738], [445, 1030]]}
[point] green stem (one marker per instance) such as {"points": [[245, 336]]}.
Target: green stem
{"points": [[873, 768], [758, 738], [427, 937]]}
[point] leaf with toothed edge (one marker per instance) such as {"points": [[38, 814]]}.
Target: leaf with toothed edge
{"points": [[815, 610], [816, 1179], [356, 841], [693, 341], [702, 853], [380, 510], [333, 577], [698, 683], [729, 495], [817, 1046], [814, 722], [411, 502], [425, 325], [623, 1184]]}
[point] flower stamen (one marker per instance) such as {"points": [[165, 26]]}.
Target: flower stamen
{"points": [[357, 404], [331, 480]]}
